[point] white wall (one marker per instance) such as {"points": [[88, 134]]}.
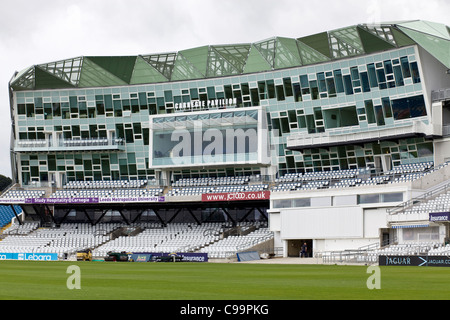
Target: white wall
{"points": [[322, 223], [374, 219]]}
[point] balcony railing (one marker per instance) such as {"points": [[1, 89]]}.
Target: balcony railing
{"points": [[68, 145], [351, 135]]}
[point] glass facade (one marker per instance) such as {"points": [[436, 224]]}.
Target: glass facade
{"points": [[359, 94], [206, 138]]}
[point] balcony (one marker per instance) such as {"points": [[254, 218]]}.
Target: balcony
{"points": [[61, 145], [347, 136]]}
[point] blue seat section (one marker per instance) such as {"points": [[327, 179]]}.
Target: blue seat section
{"points": [[7, 213]]}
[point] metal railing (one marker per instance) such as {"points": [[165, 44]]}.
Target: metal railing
{"points": [[424, 197], [347, 256], [64, 143]]}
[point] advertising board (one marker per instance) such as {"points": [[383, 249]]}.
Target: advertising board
{"points": [[29, 256], [418, 261]]}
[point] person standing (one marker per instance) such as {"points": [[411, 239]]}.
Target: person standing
{"points": [[304, 250]]}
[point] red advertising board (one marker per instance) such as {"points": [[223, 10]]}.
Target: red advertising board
{"points": [[236, 196]]}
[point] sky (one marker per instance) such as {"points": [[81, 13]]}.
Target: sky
{"points": [[34, 32]]}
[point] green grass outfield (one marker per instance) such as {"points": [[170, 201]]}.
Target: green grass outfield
{"points": [[30, 280]]}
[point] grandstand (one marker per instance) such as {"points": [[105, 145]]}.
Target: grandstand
{"points": [[338, 139]]}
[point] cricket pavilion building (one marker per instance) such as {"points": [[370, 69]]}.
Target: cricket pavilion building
{"points": [[339, 139]]}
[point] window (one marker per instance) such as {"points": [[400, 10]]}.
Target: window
{"points": [[365, 82], [379, 198], [348, 85], [415, 72], [340, 117], [405, 67], [410, 107], [338, 80], [21, 109], [369, 111], [379, 115], [287, 203], [392, 197]]}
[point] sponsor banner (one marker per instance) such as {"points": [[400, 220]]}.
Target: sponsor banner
{"points": [[439, 216], [7, 201], [418, 261], [90, 200], [29, 256], [132, 199], [187, 256], [236, 196], [193, 256], [141, 257]]}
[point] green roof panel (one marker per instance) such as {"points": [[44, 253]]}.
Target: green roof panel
{"points": [[184, 70], [24, 79], [350, 36], [236, 55], [198, 57], [67, 70], [373, 43], [436, 46], [401, 39], [164, 62], [45, 80], [235, 59], [310, 55], [92, 75], [345, 43], [267, 50], [384, 32], [318, 42], [440, 28], [287, 54], [145, 73], [256, 62], [121, 67], [433, 29], [218, 65]]}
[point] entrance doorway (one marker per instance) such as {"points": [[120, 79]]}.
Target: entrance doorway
{"points": [[295, 246], [385, 237]]}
